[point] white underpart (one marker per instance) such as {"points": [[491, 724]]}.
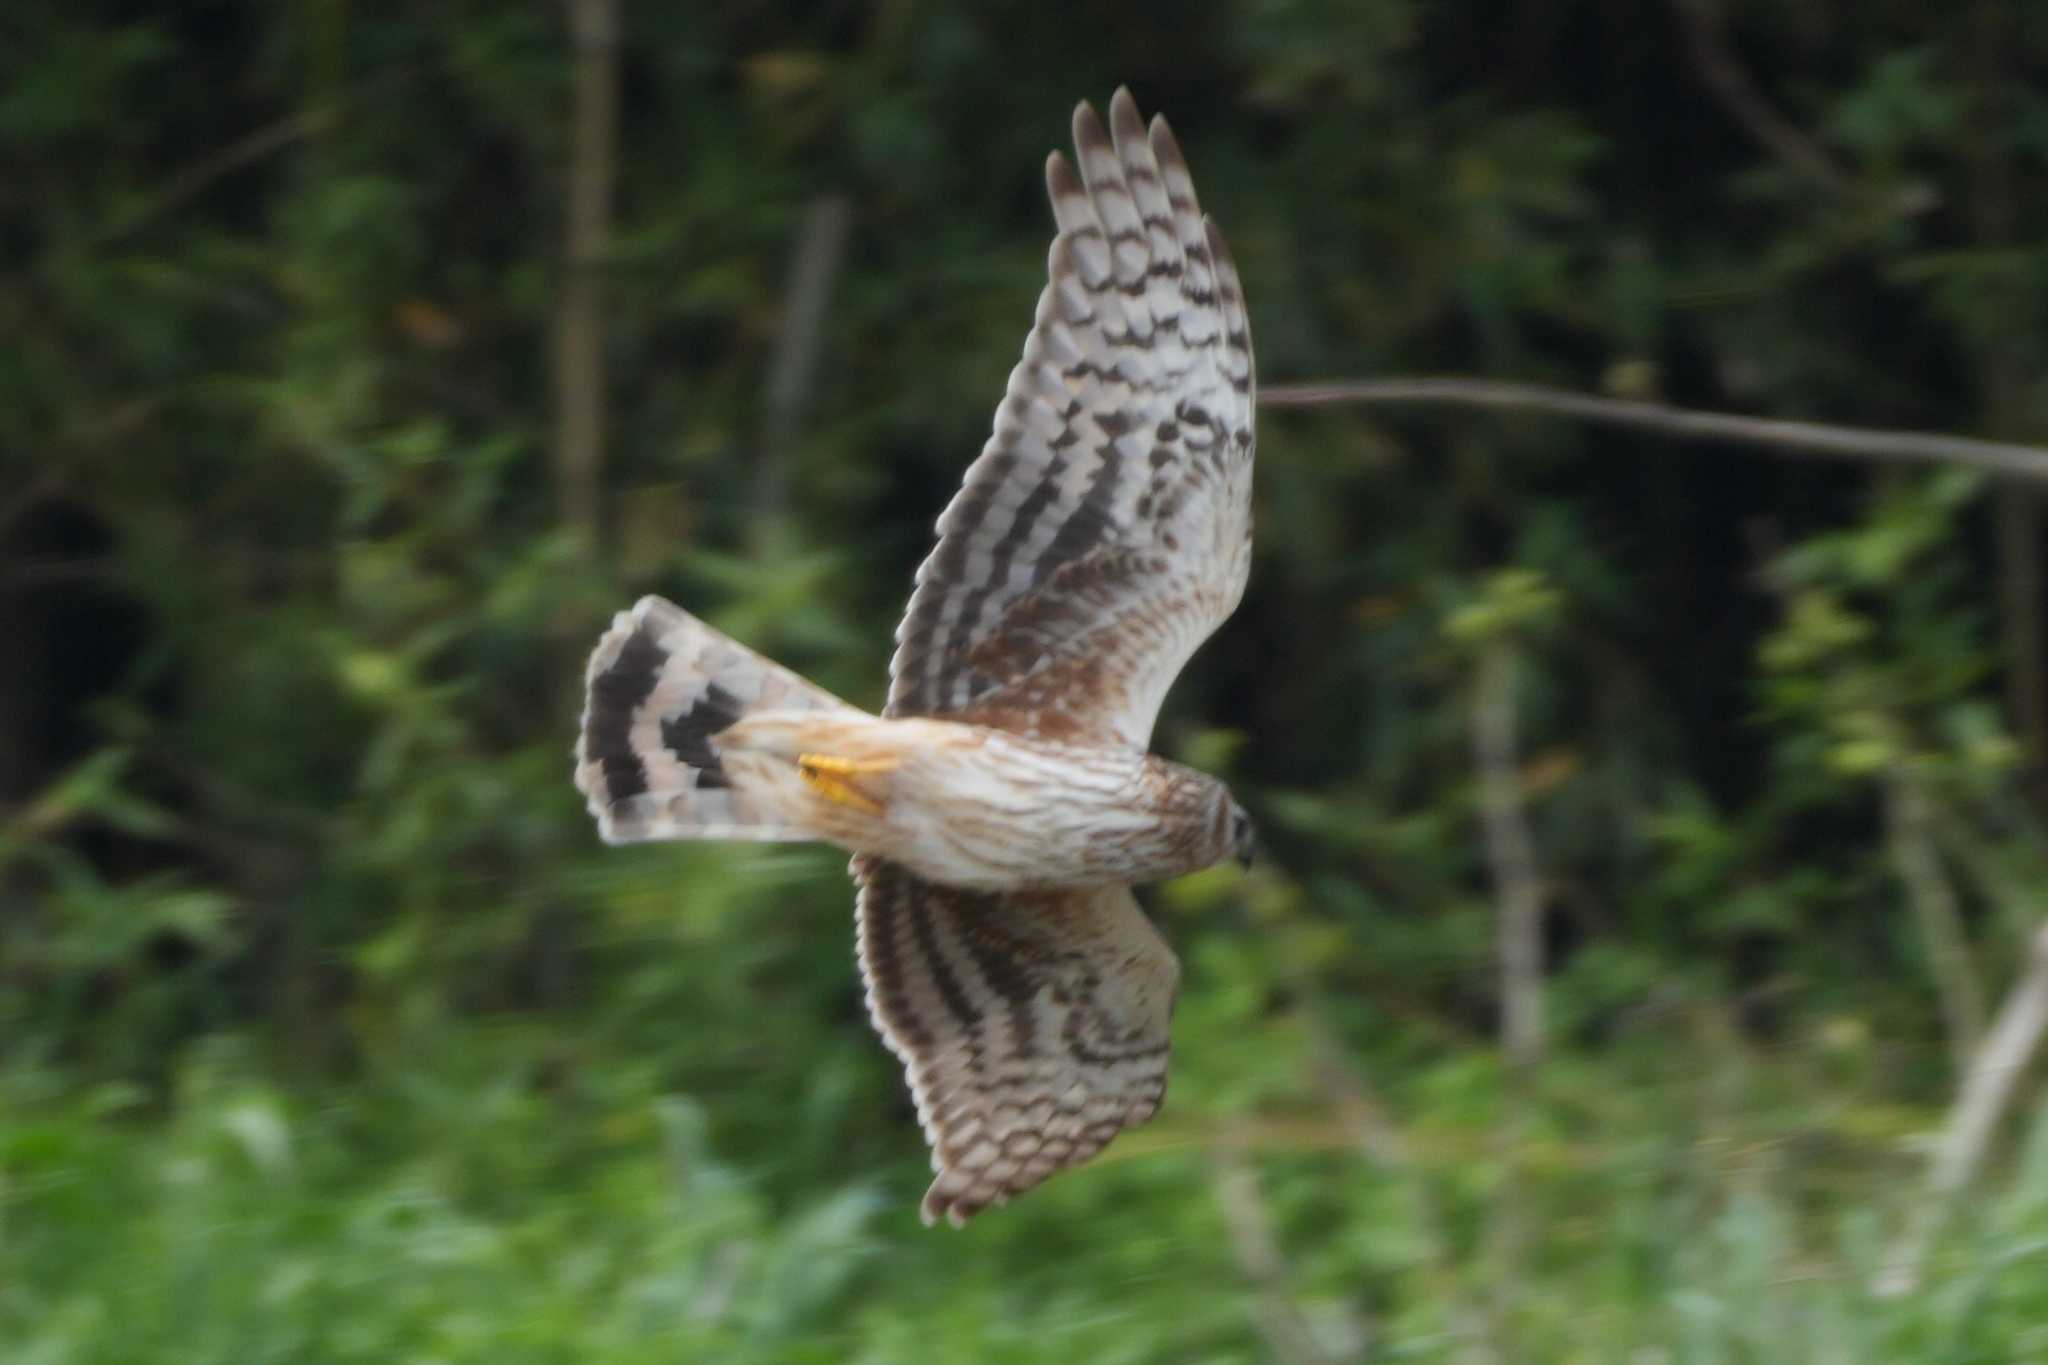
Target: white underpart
{"points": [[962, 805]]}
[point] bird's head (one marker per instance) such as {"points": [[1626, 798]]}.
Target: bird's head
{"points": [[1244, 835]]}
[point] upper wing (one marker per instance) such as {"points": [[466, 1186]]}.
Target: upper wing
{"points": [[1108, 519], [1033, 1025]]}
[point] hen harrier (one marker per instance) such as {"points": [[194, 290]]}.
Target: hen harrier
{"points": [[1003, 802]]}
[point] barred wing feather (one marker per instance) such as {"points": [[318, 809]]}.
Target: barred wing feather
{"points": [[1104, 532], [1032, 1025]]}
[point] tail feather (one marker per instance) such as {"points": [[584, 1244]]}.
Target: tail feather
{"points": [[660, 688]]}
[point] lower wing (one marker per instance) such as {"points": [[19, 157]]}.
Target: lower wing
{"points": [[1032, 1024]]}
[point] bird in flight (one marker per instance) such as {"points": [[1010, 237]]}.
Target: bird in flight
{"points": [[1004, 801]]}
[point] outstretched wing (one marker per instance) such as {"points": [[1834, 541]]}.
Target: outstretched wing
{"points": [[1033, 1025], [1105, 530]]}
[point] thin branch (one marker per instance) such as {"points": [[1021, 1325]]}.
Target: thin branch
{"points": [[26, 498], [1715, 60], [1257, 1253], [115, 424], [253, 146], [105, 427], [55, 570], [1658, 419], [193, 181], [1986, 1092], [579, 336], [1966, 847], [814, 266], [1909, 831], [721, 1280], [1360, 1114], [1375, 1137]]}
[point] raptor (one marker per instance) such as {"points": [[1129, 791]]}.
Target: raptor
{"points": [[1003, 802]]}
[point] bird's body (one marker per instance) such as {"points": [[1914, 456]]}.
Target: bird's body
{"points": [[1003, 802], [958, 803], [985, 809]]}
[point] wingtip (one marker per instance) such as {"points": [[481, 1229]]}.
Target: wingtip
{"points": [[1120, 99], [1088, 129], [623, 822], [1226, 265], [658, 608], [1059, 173], [1165, 145], [955, 1207], [931, 1209], [1127, 126], [1067, 192]]}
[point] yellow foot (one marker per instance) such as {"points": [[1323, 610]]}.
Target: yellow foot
{"points": [[832, 777]]}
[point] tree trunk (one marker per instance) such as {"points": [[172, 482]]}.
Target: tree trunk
{"points": [[579, 337]]}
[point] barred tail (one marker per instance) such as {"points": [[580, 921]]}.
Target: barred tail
{"points": [[660, 687]]}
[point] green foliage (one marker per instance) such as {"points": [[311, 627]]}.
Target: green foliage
{"points": [[1509, 601], [327, 1030]]}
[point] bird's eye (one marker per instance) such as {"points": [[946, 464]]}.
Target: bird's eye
{"points": [[1241, 835]]}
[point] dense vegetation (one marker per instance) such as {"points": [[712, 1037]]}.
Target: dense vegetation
{"points": [[329, 1032]]}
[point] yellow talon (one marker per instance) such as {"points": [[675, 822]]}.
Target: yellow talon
{"points": [[813, 764], [829, 775]]}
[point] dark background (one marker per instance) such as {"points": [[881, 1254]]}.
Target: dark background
{"points": [[332, 435]]}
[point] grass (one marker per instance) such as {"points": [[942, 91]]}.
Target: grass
{"points": [[456, 1203]]}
